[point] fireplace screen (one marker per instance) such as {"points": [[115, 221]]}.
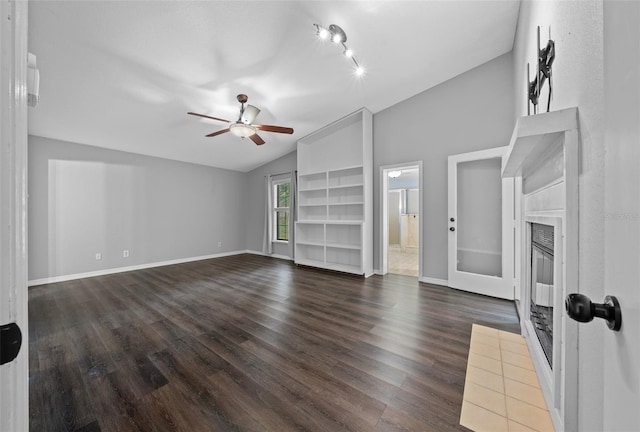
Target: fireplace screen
{"points": [[542, 287]]}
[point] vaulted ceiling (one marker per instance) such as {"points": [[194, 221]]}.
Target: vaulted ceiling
{"points": [[123, 74]]}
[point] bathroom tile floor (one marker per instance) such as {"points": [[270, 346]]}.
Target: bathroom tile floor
{"points": [[403, 260], [501, 391]]}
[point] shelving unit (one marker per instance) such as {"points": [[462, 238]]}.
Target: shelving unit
{"points": [[335, 196]]}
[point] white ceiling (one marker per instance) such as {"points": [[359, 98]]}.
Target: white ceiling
{"points": [[123, 74]]}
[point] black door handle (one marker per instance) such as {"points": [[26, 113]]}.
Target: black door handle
{"points": [[10, 342], [582, 309], [452, 229]]}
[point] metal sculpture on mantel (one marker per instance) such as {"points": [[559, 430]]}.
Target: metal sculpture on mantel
{"points": [[546, 56]]}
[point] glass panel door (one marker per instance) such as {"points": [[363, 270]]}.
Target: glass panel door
{"points": [[479, 217], [480, 224]]}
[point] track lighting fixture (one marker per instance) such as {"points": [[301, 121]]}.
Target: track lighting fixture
{"points": [[336, 35]]}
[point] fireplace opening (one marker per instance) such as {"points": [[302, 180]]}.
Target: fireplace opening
{"points": [[542, 286]]}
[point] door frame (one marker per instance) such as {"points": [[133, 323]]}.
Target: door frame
{"points": [[14, 376], [502, 287], [384, 213]]}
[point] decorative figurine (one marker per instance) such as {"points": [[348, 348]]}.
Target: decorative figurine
{"points": [[546, 56]]}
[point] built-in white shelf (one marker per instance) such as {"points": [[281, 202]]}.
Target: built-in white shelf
{"points": [[310, 243], [335, 196]]}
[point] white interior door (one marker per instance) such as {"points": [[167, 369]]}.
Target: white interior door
{"points": [[14, 389], [480, 224], [621, 350]]}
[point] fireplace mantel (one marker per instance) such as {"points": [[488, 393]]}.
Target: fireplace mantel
{"points": [[543, 158], [534, 137]]}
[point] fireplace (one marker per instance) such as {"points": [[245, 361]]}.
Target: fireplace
{"points": [[542, 296], [543, 159]]}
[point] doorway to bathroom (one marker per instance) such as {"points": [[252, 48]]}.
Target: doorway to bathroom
{"points": [[401, 219]]}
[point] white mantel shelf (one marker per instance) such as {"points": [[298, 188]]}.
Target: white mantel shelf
{"points": [[534, 137]]}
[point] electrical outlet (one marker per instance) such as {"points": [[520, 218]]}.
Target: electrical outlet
{"points": [[98, 256], [219, 244], [125, 254]]}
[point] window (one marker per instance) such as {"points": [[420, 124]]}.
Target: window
{"points": [[281, 191]]}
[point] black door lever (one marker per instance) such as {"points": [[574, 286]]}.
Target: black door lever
{"points": [[582, 309], [10, 342]]}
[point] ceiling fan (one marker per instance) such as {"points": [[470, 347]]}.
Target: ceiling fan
{"points": [[243, 127]]}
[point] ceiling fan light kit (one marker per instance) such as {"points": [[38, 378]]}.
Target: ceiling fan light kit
{"points": [[249, 114], [243, 127], [337, 35]]}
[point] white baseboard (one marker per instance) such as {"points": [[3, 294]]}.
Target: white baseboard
{"points": [[435, 281], [428, 280], [65, 278], [283, 257]]}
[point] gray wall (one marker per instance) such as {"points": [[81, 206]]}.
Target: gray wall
{"points": [[256, 201], [84, 200], [473, 111]]}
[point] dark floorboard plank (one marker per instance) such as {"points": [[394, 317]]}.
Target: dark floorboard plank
{"points": [[58, 400], [193, 388], [251, 343]]}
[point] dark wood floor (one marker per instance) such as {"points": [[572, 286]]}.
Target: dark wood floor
{"points": [[249, 343]]}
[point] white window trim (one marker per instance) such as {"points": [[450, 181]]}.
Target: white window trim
{"points": [[274, 185]]}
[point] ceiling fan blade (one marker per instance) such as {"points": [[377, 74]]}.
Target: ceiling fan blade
{"points": [[209, 117], [278, 129], [256, 139], [220, 132], [249, 115]]}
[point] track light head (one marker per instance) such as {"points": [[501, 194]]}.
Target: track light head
{"points": [[337, 34]]}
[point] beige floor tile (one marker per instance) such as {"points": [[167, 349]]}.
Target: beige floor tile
{"points": [[403, 260], [514, 347], [525, 393], [485, 398], [500, 374], [485, 363], [479, 419], [517, 427], [493, 341], [485, 350], [526, 414], [477, 328], [484, 378], [523, 361], [512, 337], [522, 375]]}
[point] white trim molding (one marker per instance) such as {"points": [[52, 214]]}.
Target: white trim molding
{"points": [[278, 256], [14, 376], [434, 281], [104, 272]]}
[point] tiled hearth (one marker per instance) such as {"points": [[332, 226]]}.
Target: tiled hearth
{"points": [[502, 391]]}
